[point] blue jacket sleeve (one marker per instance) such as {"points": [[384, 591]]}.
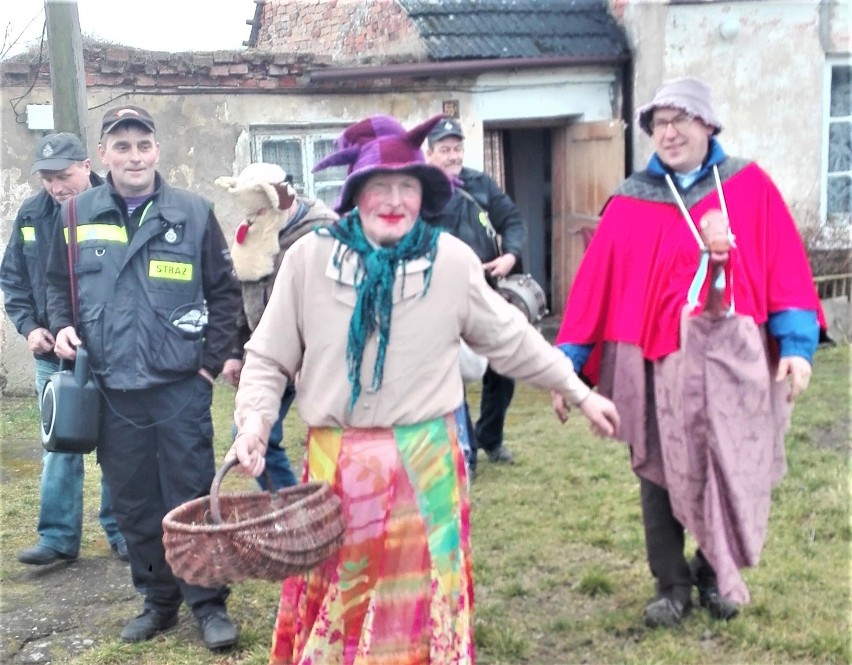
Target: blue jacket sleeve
{"points": [[578, 354], [797, 332]]}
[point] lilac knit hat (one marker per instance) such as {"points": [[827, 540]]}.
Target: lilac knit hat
{"points": [[687, 94], [381, 144]]}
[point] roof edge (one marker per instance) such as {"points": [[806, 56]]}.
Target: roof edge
{"points": [[450, 67]]}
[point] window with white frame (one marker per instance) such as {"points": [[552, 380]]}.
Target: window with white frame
{"points": [[838, 183], [297, 150]]}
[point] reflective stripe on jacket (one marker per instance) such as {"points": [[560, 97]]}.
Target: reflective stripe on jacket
{"points": [[22, 272]]}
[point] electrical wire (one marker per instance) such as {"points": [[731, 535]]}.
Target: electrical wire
{"points": [[14, 101], [5, 50]]}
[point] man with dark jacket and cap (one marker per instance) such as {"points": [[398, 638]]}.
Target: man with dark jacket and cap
{"points": [[476, 201], [157, 302], [65, 171]]}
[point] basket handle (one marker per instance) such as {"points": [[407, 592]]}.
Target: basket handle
{"points": [[215, 509]]}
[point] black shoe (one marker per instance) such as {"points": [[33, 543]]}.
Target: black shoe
{"points": [[217, 630], [41, 555], [148, 624], [718, 607], [704, 578], [120, 550], [500, 454], [665, 612]]}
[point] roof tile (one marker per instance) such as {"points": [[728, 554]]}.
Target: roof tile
{"points": [[470, 29]]}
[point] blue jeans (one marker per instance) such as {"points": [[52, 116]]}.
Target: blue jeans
{"points": [[277, 462], [467, 442], [60, 520]]}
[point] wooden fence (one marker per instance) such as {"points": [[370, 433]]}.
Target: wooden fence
{"points": [[834, 286]]}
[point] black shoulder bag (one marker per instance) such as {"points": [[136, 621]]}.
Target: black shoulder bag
{"points": [[521, 290]]}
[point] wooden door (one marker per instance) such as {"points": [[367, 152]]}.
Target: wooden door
{"points": [[493, 152], [588, 164]]}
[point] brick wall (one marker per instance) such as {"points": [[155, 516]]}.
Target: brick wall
{"points": [[349, 31], [116, 66]]}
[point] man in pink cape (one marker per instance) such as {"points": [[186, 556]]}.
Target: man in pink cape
{"points": [[694, 309]]}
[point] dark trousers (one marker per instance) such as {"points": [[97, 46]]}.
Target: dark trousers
{"points": [[664, 534], [156, 452], [664, 540], [497, 392]]}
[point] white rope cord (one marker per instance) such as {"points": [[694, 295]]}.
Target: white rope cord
{"points": [[693, 227], [685, 213], [722, 201]]}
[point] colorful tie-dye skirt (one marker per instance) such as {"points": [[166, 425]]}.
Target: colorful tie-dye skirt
{"points": [[400, 591]]}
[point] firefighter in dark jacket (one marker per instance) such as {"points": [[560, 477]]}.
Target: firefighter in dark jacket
{"points": [[65, 170], [476, 200], [157, 303]]}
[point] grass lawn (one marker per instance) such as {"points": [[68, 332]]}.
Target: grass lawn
{"points": [[559, 558]]}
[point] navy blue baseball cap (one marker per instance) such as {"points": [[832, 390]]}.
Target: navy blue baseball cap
{"points": [[446, 127], [56, 152]]}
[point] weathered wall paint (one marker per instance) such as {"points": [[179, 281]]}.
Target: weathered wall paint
{"points": [[766, 72]]}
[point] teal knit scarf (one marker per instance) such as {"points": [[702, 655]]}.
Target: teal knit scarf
{"points": [[374, 283]]}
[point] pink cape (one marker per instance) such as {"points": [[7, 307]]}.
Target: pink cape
{"points": [[632, 283], [721, 422]]}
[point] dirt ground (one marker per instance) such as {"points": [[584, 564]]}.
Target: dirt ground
{"points": [[49, 614], [55, 612]]}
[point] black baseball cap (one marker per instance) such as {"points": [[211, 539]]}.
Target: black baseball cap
{"points": [[446, 127], [56, 152], [114, 117]]}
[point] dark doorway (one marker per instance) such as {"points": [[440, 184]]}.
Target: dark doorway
{"points": [[528, 174]]}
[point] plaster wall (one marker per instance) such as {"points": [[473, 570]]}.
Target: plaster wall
{"points": [[556, 93], [764, 62]]}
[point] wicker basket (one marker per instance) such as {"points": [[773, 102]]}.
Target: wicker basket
{"points": [[217, 540]]}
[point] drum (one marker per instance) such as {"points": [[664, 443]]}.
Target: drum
{"points": [[526, 294]]}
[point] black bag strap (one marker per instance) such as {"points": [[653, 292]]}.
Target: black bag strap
{"points": [[484, 220], [73, 250]]}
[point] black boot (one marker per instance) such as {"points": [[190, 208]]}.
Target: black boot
{"points": [[217, 629], [704, 579], [148, 624]]}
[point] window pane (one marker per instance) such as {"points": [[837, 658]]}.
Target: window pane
{"points": [[322, 148], [841, 91], [287, 153], [327, 193], [839, 194], [840, 147]]}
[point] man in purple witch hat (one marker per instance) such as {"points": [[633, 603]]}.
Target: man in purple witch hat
{"points": [[366, 317]]}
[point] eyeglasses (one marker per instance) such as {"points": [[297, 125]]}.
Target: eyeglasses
{"points": [[680, 122]]}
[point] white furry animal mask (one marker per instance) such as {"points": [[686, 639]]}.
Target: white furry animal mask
{"points": [[265, 197]]}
